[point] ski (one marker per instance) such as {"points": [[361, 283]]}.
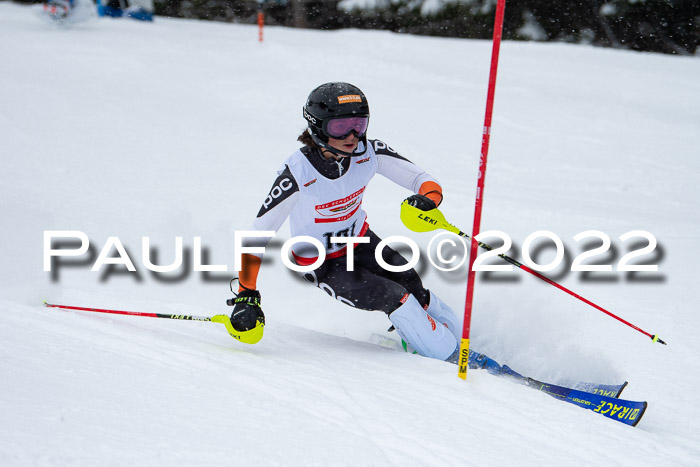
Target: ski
{"points": [[609, 390], [478, 360], [481, 361], [591, 396], [620, 410]]}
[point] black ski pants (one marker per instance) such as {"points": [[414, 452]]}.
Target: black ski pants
{"points": [[369, 286]]}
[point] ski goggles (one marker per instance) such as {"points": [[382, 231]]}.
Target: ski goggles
{"points": [[340, 128]]}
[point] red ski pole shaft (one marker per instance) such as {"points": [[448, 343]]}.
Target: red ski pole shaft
{"points": [[221, 319], [426, 221], [130, 313], [466, 329], [475, 243], [585, 300]]}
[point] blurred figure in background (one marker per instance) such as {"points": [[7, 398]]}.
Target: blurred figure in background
{"points": [[58, 9], [136, 9]]}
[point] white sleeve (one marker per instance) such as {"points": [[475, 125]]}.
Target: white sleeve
{"points": [[279, 203], [398, 169]]}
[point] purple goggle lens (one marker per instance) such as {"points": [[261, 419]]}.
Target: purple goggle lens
{"points": [[341, 127]]}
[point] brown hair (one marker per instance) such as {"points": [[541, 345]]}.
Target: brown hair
{"points": [[306, 139]]}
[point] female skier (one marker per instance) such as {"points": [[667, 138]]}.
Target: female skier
{"points": [[320, 189]]}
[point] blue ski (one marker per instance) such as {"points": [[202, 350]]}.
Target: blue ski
{"points": [[620, 410], [599, 398], [478, 360]]}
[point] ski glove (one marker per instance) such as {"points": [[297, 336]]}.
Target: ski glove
{"points": [[421, 202], [246, 310]]}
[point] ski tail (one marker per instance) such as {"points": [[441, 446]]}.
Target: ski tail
{"points": [[600, 398], [609, 390], [620, 410], [478, 360]]}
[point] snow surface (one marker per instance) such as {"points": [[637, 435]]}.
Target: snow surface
{"points": [[127, 129]]}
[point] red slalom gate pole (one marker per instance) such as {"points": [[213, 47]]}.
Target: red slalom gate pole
{"points": [[497, 33], [261, 23]]}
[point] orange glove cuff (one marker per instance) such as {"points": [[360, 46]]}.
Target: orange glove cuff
{"points": [[248, 275], [432, 190]]}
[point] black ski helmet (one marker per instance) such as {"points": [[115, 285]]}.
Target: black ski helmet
{"points": [[332, 100]]}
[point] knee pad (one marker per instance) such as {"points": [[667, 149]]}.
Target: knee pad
{"points": [[442, 313], [415, 326]]}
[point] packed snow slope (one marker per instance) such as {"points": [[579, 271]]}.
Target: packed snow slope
{"points": [[175, 129]]}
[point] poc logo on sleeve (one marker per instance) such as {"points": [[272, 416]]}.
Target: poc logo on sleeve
{"points": [[381, 146], [284, 185]]}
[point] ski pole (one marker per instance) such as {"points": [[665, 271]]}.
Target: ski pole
{"points": [[222, 319], [426, 221]]}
